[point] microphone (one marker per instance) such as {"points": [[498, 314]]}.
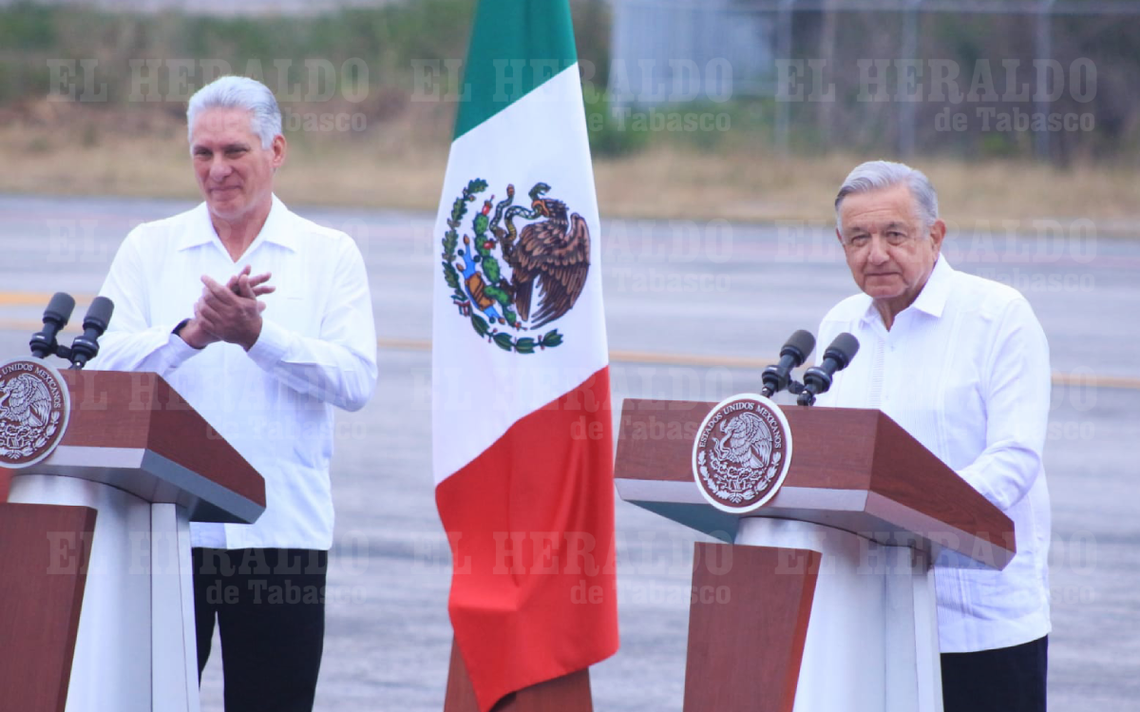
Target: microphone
{"points": [[837, 357], [792, 355], [86, 347], [56, 315]]}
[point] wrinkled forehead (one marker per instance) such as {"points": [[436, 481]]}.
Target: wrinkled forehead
{"points": [[879, 208], [220, 122]]}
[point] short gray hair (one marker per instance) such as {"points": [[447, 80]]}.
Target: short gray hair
{"points": [[230, 92], [876, 175]]}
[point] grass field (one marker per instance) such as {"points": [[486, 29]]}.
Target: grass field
{"points": [[65, 149]]}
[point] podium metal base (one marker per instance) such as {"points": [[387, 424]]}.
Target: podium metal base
{"points": [[872, 636], [135, 649]]}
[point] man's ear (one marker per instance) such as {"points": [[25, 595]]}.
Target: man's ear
{"points": [[937, 233], [279, 148]]}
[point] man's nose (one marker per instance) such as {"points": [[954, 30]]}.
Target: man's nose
{"points": [[878, 254], [219, 169]]}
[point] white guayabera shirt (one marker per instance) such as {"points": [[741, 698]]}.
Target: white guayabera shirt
{"points": [[965, 370], [274, 404]]}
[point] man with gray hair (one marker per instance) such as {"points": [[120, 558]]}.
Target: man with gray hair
{"points": [[962, 364], [265, 364]]}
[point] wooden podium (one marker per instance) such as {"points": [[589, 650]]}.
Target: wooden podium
{"points": [[96, 598], [824, 597]]}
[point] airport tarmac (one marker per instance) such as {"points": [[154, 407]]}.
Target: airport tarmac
{"points": [[693, 309]]}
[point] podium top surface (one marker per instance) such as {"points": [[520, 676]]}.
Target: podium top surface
{"points": [[134, 432], [852, 469]]}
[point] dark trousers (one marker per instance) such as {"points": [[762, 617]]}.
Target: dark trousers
{"points": [[270, 609], [1002, 680]]}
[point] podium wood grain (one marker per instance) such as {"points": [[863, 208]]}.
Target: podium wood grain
{"points": [[853, 469], [121, 421], [43, 572], [142, 411], [748, 621]]}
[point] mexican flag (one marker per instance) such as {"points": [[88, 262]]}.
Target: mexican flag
{"points": [[522, 435]]}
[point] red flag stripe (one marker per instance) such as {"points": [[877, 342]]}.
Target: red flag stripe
{"points": [[531, 528]]}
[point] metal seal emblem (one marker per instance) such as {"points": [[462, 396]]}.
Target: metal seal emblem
{"points": [[34, 409], [742, 452]]}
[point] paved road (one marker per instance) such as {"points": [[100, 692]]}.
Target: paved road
{"points": [[691, 309]]}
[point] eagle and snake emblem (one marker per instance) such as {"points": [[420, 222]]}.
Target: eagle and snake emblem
{"points": [[509, 280], [741, 452], [30, 413]]}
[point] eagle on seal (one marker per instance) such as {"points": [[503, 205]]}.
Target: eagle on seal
{"points": [[24, 400], [747, 441]]}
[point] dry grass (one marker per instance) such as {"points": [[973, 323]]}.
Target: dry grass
{"points": [[57, 149], [759, 186]]}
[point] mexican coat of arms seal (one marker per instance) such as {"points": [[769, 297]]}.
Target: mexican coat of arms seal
{"points": [[741, 453], [34, 410]]}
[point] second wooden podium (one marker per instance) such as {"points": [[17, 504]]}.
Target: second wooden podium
{"points": [[823, 599]]}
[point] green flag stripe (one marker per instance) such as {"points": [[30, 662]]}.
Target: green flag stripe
{"points": [[516, 45]]}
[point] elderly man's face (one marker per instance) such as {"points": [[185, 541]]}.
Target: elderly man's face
{"points": [[889, 253], [235, 174]]}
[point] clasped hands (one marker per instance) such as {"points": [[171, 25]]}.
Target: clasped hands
{"points": [[230, 312]]}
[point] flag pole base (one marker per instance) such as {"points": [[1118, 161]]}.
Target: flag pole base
{"points": [[569, 693]]}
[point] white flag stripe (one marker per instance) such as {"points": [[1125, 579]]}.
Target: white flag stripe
{"points": [[518, 146]]}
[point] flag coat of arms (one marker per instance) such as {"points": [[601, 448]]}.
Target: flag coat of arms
{"points": [[522, 431]]}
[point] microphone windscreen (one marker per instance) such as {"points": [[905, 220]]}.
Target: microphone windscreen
{"points": [[99, 314], [60, 308], [842, 349], [799, 345]]}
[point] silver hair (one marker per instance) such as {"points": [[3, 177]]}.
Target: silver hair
{"points": [[876, 175], [230, 92]]}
